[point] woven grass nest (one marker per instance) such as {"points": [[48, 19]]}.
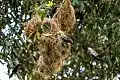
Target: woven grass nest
{"points": [[53, 51], [66, 16], [54, 46]]}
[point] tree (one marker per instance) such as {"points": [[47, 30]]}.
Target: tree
{"points": [[96, 31]]}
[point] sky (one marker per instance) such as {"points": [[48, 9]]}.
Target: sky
{"points": [[3, 73]]}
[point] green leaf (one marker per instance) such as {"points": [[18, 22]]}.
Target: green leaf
{"points": [[50, 4]]}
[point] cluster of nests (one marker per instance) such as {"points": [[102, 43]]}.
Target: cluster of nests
{"points": [[54, 45]]}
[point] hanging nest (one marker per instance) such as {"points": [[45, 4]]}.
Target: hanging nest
{"points": [[66, 16], [54, 49], [54, 46], [64, 19]]}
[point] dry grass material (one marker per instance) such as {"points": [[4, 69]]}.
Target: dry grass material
{"points": [[32, 26], [52, 52], [66, 16], [50, 25], [47, 26]]}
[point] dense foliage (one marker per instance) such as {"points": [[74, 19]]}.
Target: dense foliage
{"points": [[97, 30]]}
